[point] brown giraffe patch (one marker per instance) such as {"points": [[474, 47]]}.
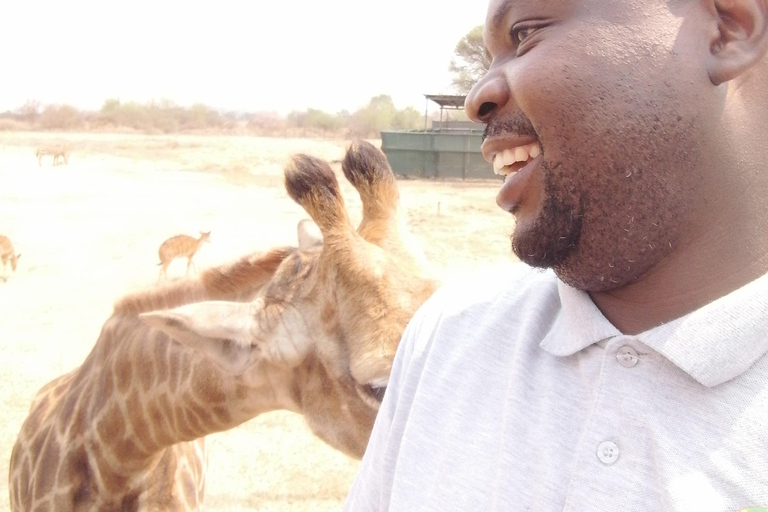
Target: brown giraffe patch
{"points": [[123, 372]]}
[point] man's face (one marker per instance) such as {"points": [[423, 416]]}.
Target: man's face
{"points": [[613, 96]]}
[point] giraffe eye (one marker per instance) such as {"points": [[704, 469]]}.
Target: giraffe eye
{"points": [[376, 392]]}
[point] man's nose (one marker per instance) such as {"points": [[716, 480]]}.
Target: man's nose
{"points": [[488, 96]]}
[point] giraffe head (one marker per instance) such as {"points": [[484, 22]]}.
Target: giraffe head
{"points": [[333, 313], [205, 236]]}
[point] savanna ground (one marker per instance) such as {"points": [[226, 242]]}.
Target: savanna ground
{"points": [[89, 231]]}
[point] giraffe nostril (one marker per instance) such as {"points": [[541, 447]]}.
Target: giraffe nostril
{"points": [[485, 109]]}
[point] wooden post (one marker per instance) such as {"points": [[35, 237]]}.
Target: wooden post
{"points": [[465, 163]]}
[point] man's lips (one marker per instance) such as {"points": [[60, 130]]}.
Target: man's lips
{"points": [[525, 155], [509, 153], [498, 143], [518, 185]]}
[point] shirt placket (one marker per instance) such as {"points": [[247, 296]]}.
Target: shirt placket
{"points": [[603, 468]]}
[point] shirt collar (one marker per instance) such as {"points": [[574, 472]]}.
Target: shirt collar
{"points": [[713, 344], [578, 324]]}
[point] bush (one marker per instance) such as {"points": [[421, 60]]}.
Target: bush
{"points": [[164, 116], [267, 123], [12, 125], [60, 117]]}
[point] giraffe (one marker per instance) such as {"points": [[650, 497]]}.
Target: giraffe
{"points": [[311, 330]]}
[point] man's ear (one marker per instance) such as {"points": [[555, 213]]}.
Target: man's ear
{"points": [[741, 38]]}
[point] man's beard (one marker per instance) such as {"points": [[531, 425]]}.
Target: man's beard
{"points": [[555, 232]]}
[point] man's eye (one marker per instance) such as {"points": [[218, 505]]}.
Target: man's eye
{"points": [[521, 32]]}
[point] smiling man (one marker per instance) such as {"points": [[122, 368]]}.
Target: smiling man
{"points": [[623, 365]]}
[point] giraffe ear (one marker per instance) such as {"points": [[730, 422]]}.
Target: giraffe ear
{"points": [[309, 234], [221, 331]]}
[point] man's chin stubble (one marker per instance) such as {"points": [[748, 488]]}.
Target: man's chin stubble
{"points": [[552, 239]]}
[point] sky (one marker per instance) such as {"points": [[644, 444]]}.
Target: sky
{"points": [[257, 55]]}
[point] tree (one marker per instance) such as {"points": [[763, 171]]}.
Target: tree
{"points": [[407, 119], [314, 119], [470, 62], [60, 117], [29, 111], [371, 119]]}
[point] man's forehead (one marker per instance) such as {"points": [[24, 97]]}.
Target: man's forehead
{"points": [[498, 9]]}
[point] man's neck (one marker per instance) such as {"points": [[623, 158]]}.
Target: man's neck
{"points": [[687, 280]]}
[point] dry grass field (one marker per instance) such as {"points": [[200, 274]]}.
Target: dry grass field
{"points": [[89, 231]]}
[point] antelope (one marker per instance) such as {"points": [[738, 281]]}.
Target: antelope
{"points": [[180, 246], [56, 151], [8, 255]]}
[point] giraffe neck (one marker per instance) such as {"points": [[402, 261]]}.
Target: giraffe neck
{"points": [[151, 393], [108, 433]]}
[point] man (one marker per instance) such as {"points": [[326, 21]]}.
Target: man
{"points": [[632, 375]]}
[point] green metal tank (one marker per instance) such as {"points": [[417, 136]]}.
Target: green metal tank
{"points": [[450, 149], [436, 155]]}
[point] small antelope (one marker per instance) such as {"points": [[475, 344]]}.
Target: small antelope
{"points": [[56, 151], [180, 246], [7, 254]]}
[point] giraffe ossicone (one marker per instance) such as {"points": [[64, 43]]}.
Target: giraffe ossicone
{"points": [[312, 329]]}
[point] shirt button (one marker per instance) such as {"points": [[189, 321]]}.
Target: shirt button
{"points": [[608, 452], [627, 356]]}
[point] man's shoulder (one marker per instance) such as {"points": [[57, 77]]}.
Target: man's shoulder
{"points": [[512, 285], [482, 306]]}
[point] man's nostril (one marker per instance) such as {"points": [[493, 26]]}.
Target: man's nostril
{"points": [[485, 109]]}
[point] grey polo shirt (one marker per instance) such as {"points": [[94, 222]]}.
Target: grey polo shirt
{"points": [[511, 391]]}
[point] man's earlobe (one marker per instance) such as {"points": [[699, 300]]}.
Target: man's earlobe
{"points": [[741, 39]]}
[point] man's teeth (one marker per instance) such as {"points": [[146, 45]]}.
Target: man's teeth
{"points": [[503, 160]]}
